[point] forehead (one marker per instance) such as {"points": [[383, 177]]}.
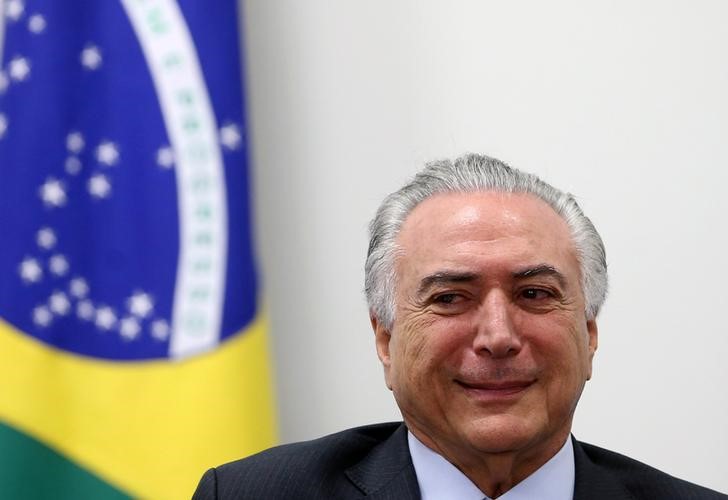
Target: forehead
{"points": [[466, 229]]}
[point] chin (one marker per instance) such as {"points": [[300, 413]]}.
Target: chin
{"points": [[501, 433]]}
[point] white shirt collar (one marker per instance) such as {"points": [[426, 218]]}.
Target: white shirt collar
{"points": [[440, 480]]}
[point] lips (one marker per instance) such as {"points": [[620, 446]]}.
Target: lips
{"points": [[495, 389]]}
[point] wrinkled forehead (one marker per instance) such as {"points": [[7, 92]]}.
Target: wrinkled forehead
{"points": [[454, 227], [490, 210]]}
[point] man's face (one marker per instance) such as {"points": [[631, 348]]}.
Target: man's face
{"points": [[490, 348]]}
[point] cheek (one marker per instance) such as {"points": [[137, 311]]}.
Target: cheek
{"points": [[558, 344], [423, 347]]}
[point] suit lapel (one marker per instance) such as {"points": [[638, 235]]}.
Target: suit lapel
{"points": [[594, 482], [387, 471]]}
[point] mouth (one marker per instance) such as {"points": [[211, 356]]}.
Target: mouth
{"points": [[496, 390]]}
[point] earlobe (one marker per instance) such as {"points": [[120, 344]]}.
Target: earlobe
{"points": [[382, 337], [593, 333], [591, 328]]}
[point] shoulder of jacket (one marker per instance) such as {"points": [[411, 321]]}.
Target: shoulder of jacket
{"points": [[342, 448], [645, 481]]}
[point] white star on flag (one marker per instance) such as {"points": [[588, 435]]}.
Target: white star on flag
{"points": [[14, 9], [42, 316], [165, 157], [46, 238], [19, 68], [105, 318], [99, 186], [73, 165], [129, 328], [140, 304], [53, 192], [30, 270], [3, 125], [160, 329], [91, 57], [59, 303], [107, 153], [230, 136], [36, 23], [58, 265], [78, 287], [75, 142], [85, 310]]}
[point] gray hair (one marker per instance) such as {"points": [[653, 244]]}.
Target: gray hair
{"points": [[470, 173]]}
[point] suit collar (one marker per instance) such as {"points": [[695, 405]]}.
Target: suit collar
{"points": [[594, 482], [387, 471]]}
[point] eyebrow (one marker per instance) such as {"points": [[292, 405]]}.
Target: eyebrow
{"points": [[541, 270], [441, 277], [446, 277]]}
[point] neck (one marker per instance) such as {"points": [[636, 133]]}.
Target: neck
{"points": [[494, 473]]}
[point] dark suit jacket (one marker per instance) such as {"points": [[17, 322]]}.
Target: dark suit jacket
{"points": [[374, 462]]}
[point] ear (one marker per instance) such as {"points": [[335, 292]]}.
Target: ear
{"points": [[382, 337], [593, 332]]}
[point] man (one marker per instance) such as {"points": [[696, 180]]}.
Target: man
{"points": [[484, 284]]}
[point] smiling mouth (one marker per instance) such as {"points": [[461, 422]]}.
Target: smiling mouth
{"points": [[503, 389]]}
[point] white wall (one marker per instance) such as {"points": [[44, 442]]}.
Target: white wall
{"points": [[624, 103]]}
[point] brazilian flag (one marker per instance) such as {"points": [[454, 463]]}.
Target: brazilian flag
{"points": [[133, 350]]}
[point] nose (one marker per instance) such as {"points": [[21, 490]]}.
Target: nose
{"points": [[495, 333]]}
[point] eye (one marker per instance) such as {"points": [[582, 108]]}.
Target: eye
{"points": [[535, 294], [449, 303], [446, 298]]}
